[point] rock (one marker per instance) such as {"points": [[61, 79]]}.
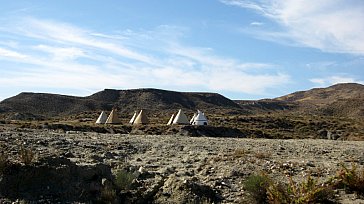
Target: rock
{"points": [[142, 170], [168, 170], [108, 155], [185, 191], [97, 158], [52, 178], [68, 155], [310, 164]]}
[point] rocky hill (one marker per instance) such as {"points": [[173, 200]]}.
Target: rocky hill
{"points": [[126, 101], [265, 105], [342, 100], [338, 100]]}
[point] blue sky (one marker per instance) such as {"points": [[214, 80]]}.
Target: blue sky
{"points": [[242, 49]]}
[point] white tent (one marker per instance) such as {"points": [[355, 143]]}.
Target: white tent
{"points": [[180, 118], [102, 118], [133, 118], [193, 118], [113, 118], [200, 119], [170, 121], [141, 119]]}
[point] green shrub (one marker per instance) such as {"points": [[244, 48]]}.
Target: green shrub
{"points": [[351, 179], [256, 186], [124, 179]]}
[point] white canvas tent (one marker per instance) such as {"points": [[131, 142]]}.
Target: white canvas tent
{"points": [[180, 119], [102, 118], [200, 119], [193, 118], [113, 118], [170, 121], [141, 119], [133, 118]]}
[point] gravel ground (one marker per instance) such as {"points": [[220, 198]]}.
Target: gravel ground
{"points": [[222, 164]]}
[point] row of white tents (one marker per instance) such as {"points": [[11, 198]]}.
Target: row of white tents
{"points": [[113, 118], [180, 118], [198, 118]]}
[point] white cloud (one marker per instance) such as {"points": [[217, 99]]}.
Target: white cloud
{"points": [[62, 53], [69, 34], [11, 54], [329, 25], [255, 23], [331, 80], [231, 80], [63, 56]]}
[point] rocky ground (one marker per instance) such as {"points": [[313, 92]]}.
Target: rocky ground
{"points": [[166, 168]]}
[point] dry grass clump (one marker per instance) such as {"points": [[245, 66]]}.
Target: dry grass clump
{"points": [[262, 189], [308, 191], [351, 179], [240, 153], [262, 155], [108, 195], [4, 162], [26, 155]]}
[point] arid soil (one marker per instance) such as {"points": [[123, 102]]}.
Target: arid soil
{"points": [[171, 168]]}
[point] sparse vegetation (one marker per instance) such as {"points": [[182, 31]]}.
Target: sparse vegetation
{"points": [[262, 189], [124, 179], [26, 155], [108, 195], [256, 186], [240, 153], [262, 155], [4, 162], [352, 179], [308, 191]]}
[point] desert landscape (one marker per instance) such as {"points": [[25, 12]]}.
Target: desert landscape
{"points": [[306, 147]]}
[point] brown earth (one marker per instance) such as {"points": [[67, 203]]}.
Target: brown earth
{"points": [[340, 100], [167, 168]]}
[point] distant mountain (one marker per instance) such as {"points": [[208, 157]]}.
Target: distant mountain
{"points": [[265, 105], [48, 105], [337, 100], [346, 100], [126, 101]]}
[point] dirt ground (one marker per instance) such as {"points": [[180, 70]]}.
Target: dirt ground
{"points": [[166, 164]]}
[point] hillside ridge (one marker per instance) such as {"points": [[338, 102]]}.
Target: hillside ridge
{"points": [[343, 100], [126, 101]]}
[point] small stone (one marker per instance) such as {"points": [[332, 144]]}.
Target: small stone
{"points": [[310, 164], [69, 155], [108, 155], [142, 170]]}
